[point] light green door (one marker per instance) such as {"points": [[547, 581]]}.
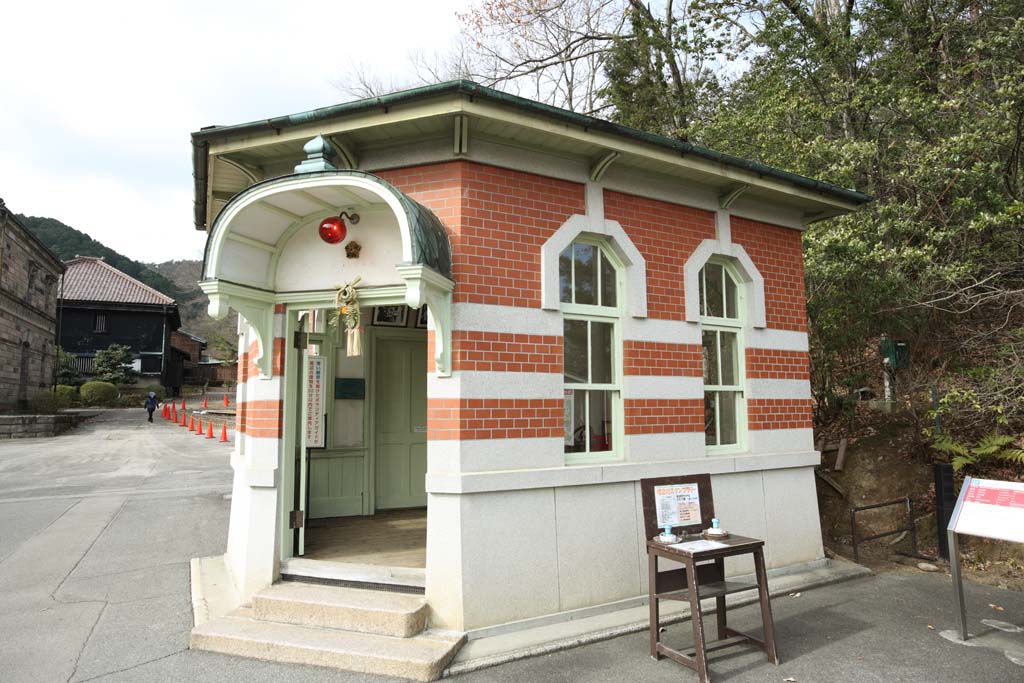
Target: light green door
{"points": [[400, 386]]}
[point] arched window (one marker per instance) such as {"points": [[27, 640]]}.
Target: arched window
{"points": [[721, 306], [590, 295]]}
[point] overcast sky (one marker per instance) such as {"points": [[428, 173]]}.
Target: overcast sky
{"points": [[97, 99]]}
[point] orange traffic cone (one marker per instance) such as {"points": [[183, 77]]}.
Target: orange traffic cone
{"points": [[184, 420], [199, 427], [204, 403], [224, 433], [225, 401], [209, 430], [163, 412], [174, 412], [192, 423]]}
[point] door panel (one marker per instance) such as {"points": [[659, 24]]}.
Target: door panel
{"points": [[336, 485], [400, 386]]}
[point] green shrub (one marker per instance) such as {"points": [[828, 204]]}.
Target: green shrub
{"points": [[156, 389], [99, 394], [67, 394], [46, 402]]}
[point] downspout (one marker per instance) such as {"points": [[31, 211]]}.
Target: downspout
{"points": [[56, 336]]}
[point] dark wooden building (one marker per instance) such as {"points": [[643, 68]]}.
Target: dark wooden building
{"points": [[104, 306]]}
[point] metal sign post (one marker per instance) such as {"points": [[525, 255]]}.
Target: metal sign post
{"points": [[987, 508]]}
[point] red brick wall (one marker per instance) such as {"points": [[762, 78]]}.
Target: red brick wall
{"points": [[260, 419], [502, 352], [778, 255], [779, 413], [492, 418], [777, 364], [663, 415], [666, 234], [662, 359], [498, 219]]}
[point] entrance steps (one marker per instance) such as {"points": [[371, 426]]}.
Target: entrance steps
{"points": [[368, 631]]}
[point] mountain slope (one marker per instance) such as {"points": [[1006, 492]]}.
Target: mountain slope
{"points": [[176, 279], [67, 243]]}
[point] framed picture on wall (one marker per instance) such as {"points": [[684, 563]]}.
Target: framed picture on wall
{"points": [[421, 318], [390, 316]]}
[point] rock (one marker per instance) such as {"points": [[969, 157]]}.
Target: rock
{"points": [[927, 567]]}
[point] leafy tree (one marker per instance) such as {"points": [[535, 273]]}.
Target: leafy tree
{"points": [[114, 365]]}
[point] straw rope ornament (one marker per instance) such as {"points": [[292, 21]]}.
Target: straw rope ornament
{"points": [[346, 300]]}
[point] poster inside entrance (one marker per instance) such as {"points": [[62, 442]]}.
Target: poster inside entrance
{"points": [[677, 504]]}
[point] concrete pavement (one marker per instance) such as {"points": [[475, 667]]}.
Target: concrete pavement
{"points": [[97, 528]]}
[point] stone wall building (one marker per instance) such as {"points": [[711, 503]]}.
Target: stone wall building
{"points": [[29, 277]]}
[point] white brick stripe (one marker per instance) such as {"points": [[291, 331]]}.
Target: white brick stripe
{"points": [[471, 384], [509, 319], [662, 387], [780, 440], [660, 447], [783, 340], [662, 331], [488, 455], [778, 388]]}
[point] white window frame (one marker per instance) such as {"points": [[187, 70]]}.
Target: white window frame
{"points": [[601, 314], [735, 325]]}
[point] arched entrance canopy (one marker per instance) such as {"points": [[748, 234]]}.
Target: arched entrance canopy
{"points": [[263, 250]]}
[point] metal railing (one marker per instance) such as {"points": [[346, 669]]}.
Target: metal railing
{"points": [[909, 528]]}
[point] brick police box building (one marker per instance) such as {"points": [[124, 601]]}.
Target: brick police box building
{"points": [[553, 307]]}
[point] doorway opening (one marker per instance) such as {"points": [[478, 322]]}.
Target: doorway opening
{"points": [[361, 459]]}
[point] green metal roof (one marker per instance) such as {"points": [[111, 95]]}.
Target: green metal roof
{"points": [[471, 89], [430, 245]]}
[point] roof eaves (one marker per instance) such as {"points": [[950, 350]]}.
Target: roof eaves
{"points": [[201, 138]]}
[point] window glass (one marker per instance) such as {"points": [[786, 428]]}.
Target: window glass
{"points": [[575, 345], [576, 421], [585, 262], [608, 285], [565, 275], [730, 296], [713, 291], [710, 419], [600, 420], [586, 276], [729, 355], [727, 432], [710, 351], [600, 353]]}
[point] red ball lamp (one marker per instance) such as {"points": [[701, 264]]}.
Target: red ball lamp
{"points": [[332, 228]]}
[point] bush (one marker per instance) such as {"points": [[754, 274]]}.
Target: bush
{"points": [[114, 364], [99, 394], [67, 394], [156, 389], [46, 402]]}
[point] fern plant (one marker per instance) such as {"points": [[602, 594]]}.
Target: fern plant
{"points": [[992, 446]]}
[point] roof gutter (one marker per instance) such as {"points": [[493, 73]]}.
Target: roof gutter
{"points": [[202, 138]]}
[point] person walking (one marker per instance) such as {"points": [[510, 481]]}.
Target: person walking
{"points": [[151, 404]]}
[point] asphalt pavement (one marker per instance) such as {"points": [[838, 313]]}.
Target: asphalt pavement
{"points": [[97, 528]]}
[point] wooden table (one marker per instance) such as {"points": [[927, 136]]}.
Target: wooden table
{"points": [[705, 579]]}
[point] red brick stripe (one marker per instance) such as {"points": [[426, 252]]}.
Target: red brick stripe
{"points": [[777, 364], [260, 419], [779, 413], [657, 358], [503, 352], [490, 418], [664, 416]]}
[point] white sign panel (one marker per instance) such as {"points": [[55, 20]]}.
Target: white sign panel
{"points": [[991, 509], [315, 385], [677, 504]]}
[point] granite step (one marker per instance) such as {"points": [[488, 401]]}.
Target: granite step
{"points": [[353, 609], [422, 657]]}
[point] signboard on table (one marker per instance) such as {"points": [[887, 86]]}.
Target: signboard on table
{"points": [[988, 508], [315, 386], [677, 504]]}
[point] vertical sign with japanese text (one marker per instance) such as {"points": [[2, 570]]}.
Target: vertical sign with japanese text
{"points": [[315, 428]]}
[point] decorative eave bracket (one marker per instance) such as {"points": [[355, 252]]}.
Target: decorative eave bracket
{"points": [[424, 285], [601, 165], [256, 306], [726, 199]]}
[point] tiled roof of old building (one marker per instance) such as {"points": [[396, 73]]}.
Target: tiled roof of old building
{"points": [[89, 278]]}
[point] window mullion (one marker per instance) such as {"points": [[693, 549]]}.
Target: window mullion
{"points": [[599, 294], [718, 416], [572, 271]]}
